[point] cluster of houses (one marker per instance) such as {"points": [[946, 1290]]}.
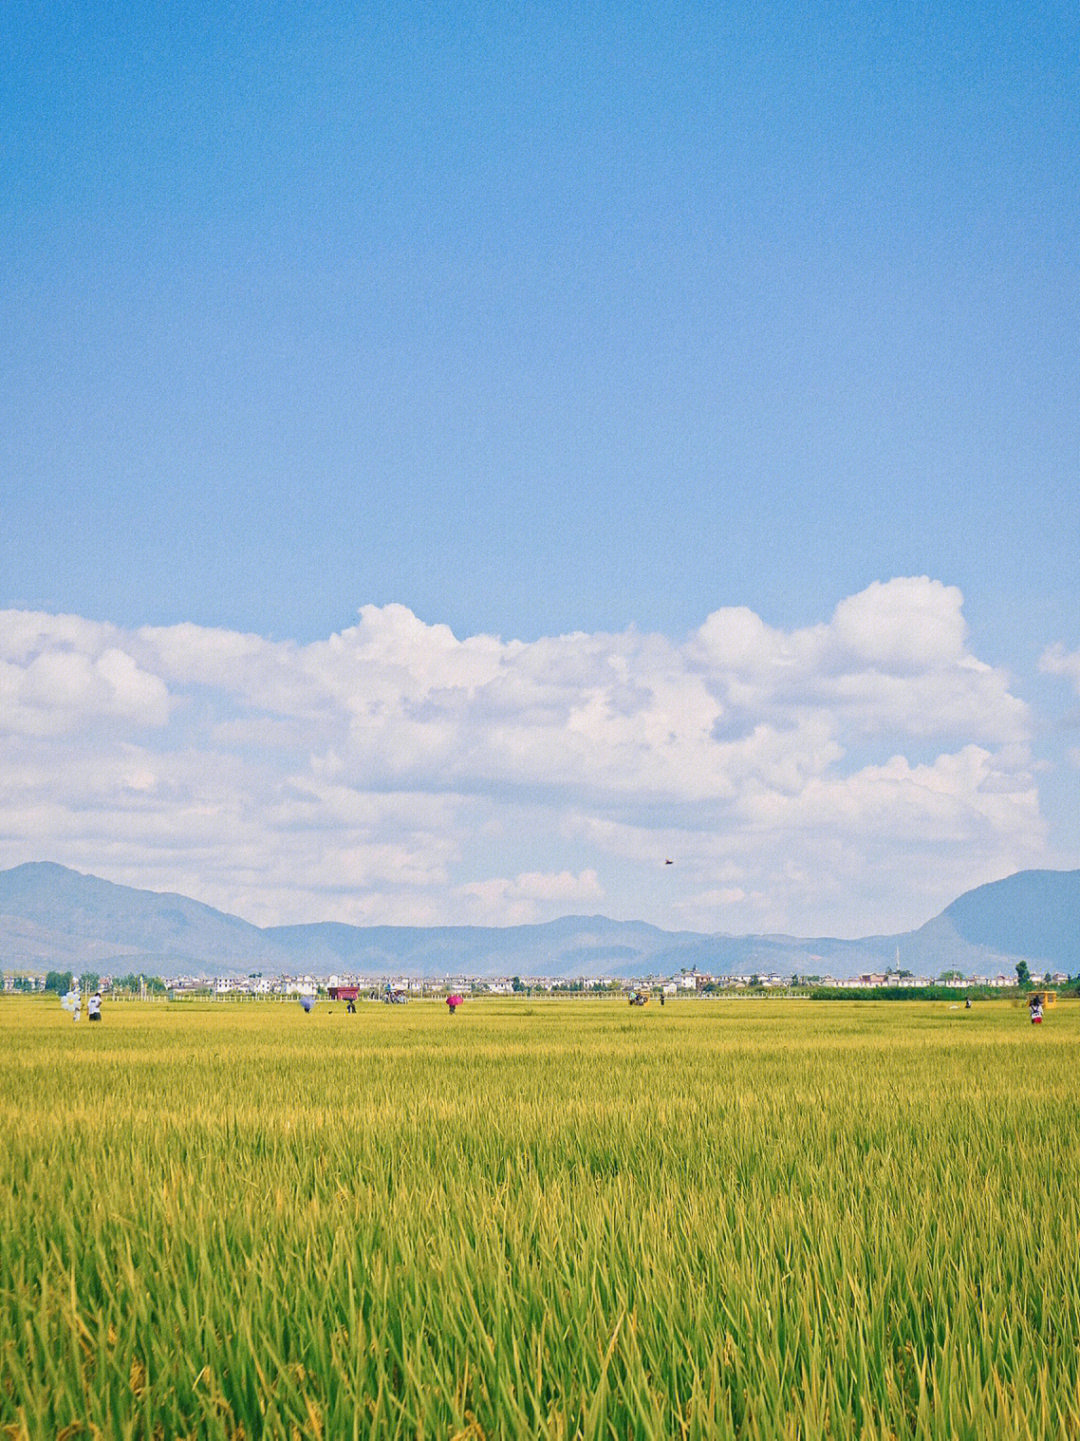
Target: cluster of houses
{"points": [[342, 987], [402, 988], [873, 979], [14, 981], [685, 982]]}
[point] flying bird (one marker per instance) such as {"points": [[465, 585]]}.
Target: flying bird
{"points": [[669, 863]]}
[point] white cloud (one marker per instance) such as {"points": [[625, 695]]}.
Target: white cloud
{"points": [[841, 776], [904, 627], [502, 901], [1056, 660], [59, 673], [893, 659]]}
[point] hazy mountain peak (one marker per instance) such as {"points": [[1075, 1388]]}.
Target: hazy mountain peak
{"points": [[55, 917]]}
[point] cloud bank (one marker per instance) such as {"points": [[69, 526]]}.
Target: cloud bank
{"points": [[851, 775]]}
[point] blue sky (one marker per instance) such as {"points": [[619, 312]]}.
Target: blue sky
{"points": [[541, 320]]}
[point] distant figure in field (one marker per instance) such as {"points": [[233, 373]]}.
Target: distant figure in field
{"points": [[350, 1007], [967, 1004], [93, 1008], [1035, 1006], [452, 1003]]}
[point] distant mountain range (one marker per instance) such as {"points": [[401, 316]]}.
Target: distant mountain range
{"points": [[53, 918]]}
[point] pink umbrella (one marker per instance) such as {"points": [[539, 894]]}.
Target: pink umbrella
{"points": [[453, 1002]]}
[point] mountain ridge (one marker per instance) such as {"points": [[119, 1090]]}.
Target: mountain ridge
{"points": [[52, 917]]}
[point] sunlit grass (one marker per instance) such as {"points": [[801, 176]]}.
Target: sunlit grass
{"points": [[540, 1218]]}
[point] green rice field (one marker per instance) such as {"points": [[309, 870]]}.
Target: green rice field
{"points": [[545, 1218]]}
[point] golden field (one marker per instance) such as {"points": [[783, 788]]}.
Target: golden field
{"points": [[551, 1218]]}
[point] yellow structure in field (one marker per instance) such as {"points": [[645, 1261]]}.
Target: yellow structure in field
{"points": [[1046, 998]]}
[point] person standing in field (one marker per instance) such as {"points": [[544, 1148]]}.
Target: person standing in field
{"points": [[93, 1007], [1035, 1006]]}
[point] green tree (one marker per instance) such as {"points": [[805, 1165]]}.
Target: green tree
{"points": [[1023, 974], [517, 984], [58, 981], [89, 980]]}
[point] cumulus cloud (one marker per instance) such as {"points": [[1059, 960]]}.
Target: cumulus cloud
{"points": [[892, 660], [60, 673], [840, 776]]}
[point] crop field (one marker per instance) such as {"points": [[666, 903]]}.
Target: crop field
{"points": [[540, 1218]]}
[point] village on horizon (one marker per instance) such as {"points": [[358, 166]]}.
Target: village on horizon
{"points": [[336, 986]]}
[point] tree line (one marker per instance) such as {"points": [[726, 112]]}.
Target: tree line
{"points": [[63, 981]]}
